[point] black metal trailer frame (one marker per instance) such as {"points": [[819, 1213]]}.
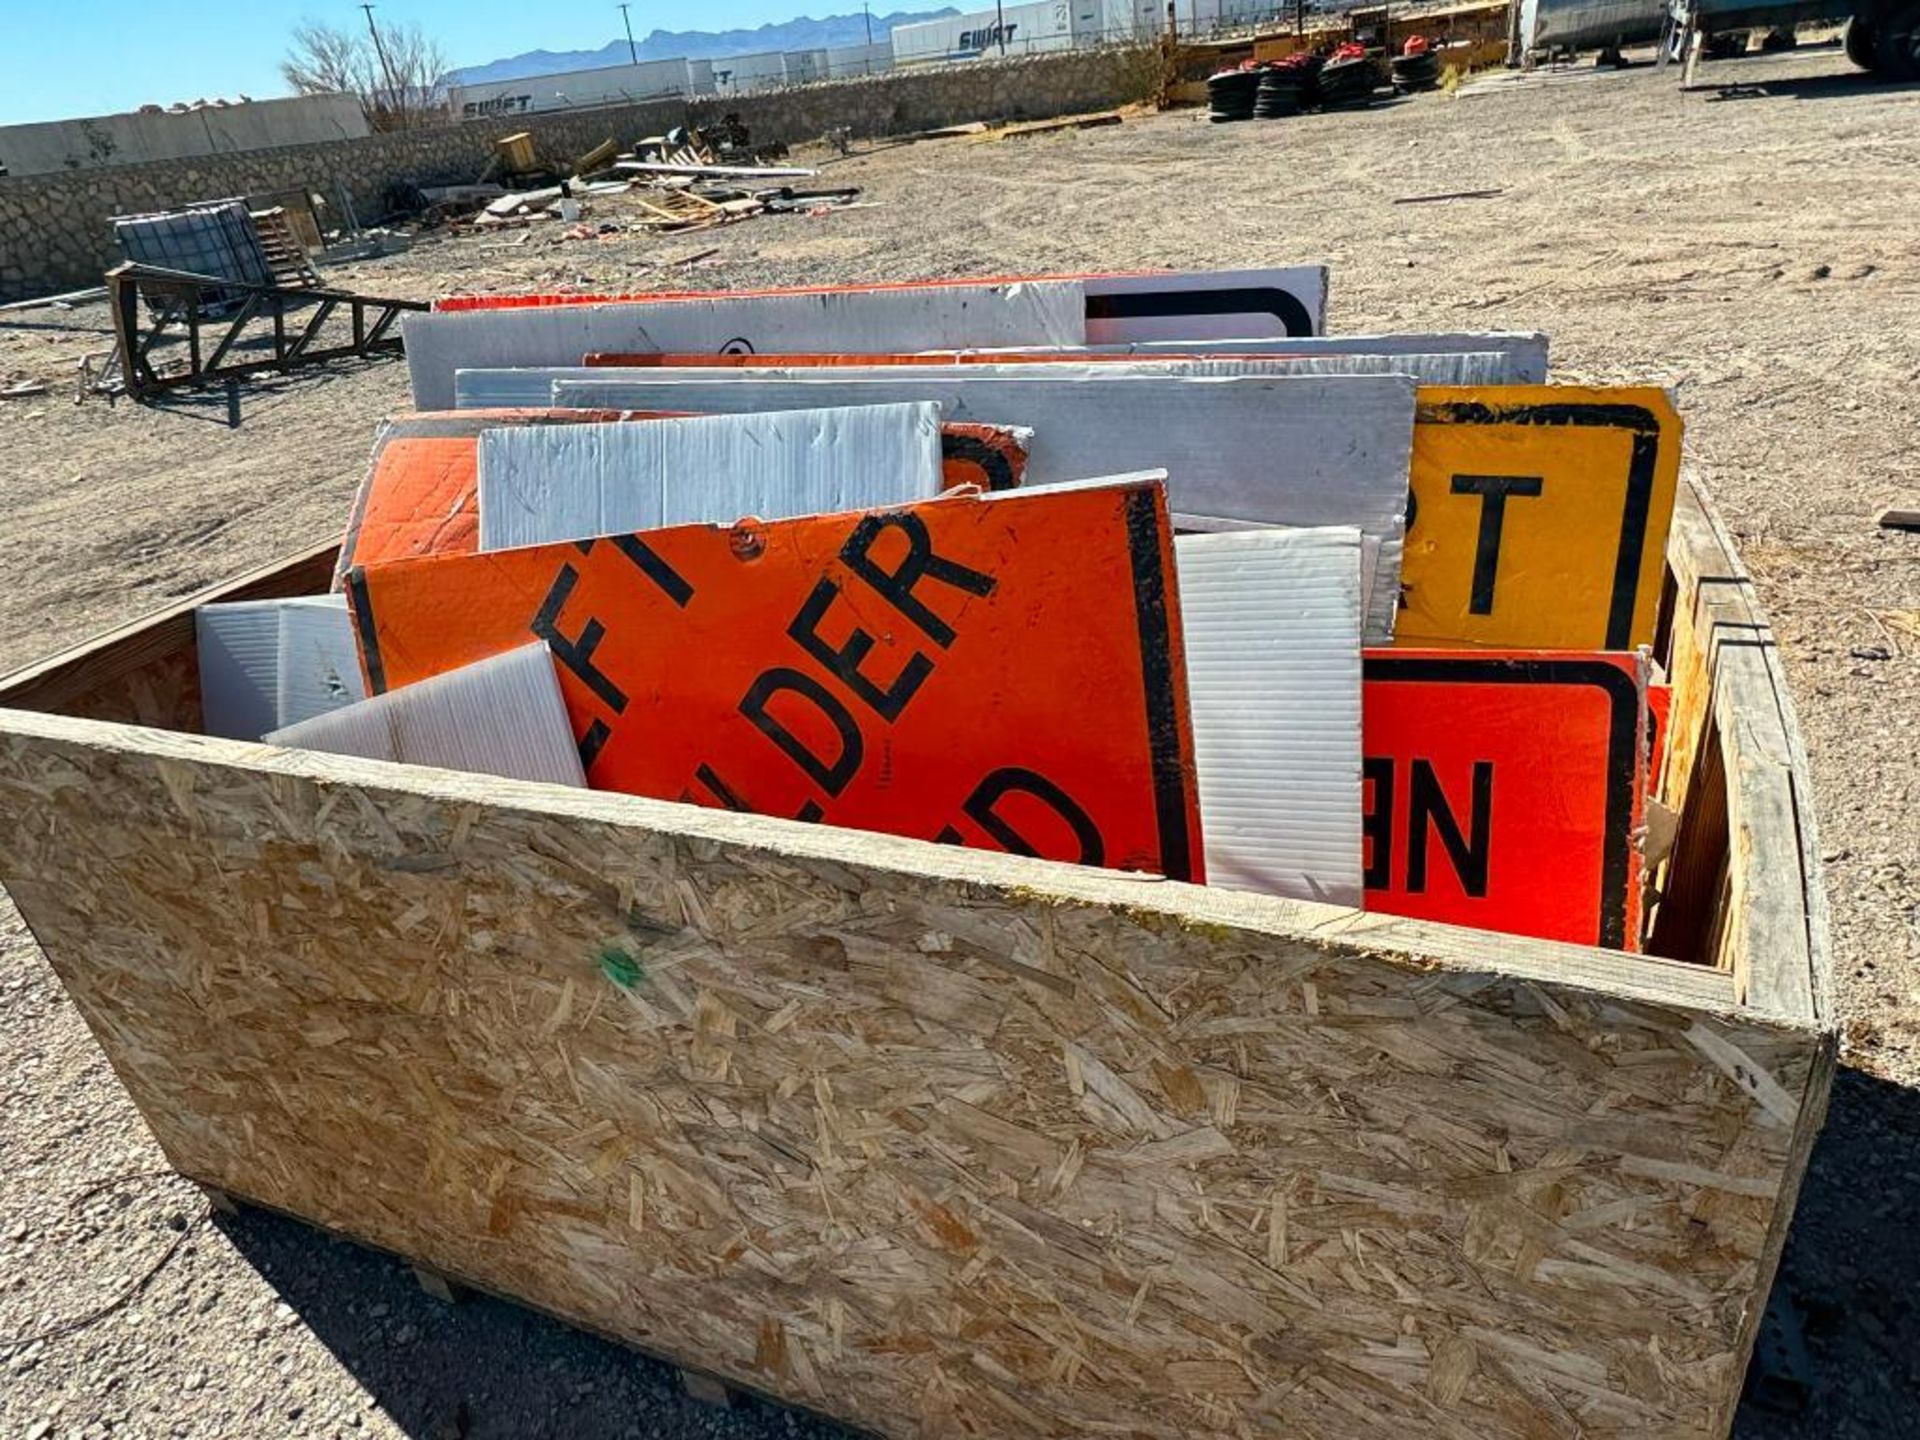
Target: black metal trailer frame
{"points": [[298, 314]]}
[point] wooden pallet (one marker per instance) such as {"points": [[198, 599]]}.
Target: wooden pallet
{"points": [[287, 257]]}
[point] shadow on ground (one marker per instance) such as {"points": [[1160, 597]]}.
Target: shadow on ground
{"points": [[1852, 1273], [484, 1368], [1731, 85]]}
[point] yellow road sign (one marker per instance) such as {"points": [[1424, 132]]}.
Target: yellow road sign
{"points": [[1538, 516]]}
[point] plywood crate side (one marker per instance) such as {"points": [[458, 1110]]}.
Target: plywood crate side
{"points": [[1730, 693], [938, 1141]]}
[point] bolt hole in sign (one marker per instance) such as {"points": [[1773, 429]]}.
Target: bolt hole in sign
{"points": [[1504, 790], [1003, 670], [1538, 516]]}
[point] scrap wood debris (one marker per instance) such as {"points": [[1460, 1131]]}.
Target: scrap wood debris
{"points": [[683, 180]]}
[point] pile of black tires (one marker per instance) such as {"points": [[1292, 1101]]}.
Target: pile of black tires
{"points": [[1300, 82], [1232, 94], [1288, 89], [1348, 84], [1415, 73]]}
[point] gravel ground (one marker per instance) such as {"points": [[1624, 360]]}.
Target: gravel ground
{"points": [[1758, 253]]}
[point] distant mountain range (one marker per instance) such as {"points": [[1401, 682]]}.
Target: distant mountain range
{"points": [[802, 34]]}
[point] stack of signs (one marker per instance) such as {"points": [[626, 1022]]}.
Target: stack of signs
{"points": [[1300, 450], [902, 558]]}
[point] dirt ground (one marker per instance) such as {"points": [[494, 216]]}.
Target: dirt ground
{"points": [[1757, 252]]}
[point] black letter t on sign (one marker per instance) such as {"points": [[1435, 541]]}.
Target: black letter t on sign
{"points": [[1493, 491]]}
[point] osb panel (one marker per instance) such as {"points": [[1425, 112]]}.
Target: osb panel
{"points": [[937, 1156]]}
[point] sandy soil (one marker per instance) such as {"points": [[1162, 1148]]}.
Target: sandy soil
{"points": [[1758, 253]]}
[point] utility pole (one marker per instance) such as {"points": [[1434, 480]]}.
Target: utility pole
{"points": [[626, 20], [1000, 26], [394, 97], [866, 14]]}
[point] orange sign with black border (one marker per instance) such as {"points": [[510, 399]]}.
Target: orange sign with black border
{"points": [[1003, 671], [1504, 790]]}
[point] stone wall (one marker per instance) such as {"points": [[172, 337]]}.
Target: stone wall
{"points": [[55, 235]]}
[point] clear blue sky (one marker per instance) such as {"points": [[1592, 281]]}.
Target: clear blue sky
{"points": [[60, 58]]}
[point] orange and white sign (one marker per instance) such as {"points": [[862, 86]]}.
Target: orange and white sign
{"points": [[419, 496], [1503, 790], [1121, 306], [420, 493], [1003, 670]]}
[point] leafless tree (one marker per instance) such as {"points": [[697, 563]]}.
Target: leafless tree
{"points": [[398, 81], [414, 65], [322, 60]]}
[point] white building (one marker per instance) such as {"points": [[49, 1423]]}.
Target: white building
{"points": [[141, 136], [804, 67], [1011, 30], [740, 74], [606, 85], [848, 62]]}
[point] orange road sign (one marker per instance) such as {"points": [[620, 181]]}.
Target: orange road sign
{"points": [[1503, 790], [1660, 721], [1538, 516], [1003, 671]]}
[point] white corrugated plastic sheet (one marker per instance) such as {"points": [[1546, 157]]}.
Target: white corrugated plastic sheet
{"points": [[268, 663], [239, 650], [319, 661], [541, 484], [501, 716], [1271, 627], [489, 389]]}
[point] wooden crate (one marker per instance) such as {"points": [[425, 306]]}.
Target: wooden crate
{"points": [[516, 151], [944, 1142]]}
